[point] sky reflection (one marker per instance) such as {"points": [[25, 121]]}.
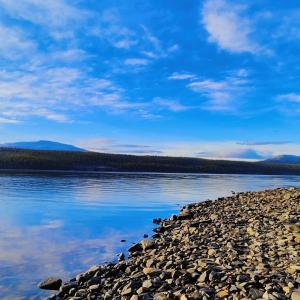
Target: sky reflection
{"points": [[62, 224]]}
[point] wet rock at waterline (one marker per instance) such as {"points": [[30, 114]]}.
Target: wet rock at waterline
{"points": [[51, 283]]}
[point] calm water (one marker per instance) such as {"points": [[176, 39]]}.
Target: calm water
{"points": [[61, 224]]}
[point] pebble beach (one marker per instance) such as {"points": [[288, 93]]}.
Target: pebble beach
{"points": [[245, 246]]}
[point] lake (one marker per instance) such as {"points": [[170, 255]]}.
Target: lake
{"points": [[61, 224]]}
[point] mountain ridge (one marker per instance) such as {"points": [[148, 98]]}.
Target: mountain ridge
{"points": [[42, 145], [284, 159]]}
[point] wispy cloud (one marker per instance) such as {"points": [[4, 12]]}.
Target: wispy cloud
{"points": [[111, 146], [291, 97], [14, 44], [67, 55], [170, 104], [156, 48], [201, 148], [228, 27], [54, 15], [222, 95], [288, 104], [8, 121], [110, 28], [136, 62], [181, 76], [264, 143], [208, 85], [57, 93]]}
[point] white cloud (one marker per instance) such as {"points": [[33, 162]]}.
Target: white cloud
{"points": [[205, 148], [288, 104], [111, 146], [153, 40], [291, 97], [169, 104], [235, 154], [242, 72], [181, 76], [14, 44], [208, 85], [173, 48], [156, 48], [8, 121], [125, 43], [136, 61], [52, 14], [225, 149], [57, 94], [67, 55], [227, 27], [222, 95], [109, 26]]}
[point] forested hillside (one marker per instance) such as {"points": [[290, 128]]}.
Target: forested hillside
{"points": [[92, 161]]}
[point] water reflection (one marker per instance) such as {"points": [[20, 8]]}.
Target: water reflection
{"points": [[61, 223]]}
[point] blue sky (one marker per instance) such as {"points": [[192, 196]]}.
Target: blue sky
{"points": [[210, 78]]}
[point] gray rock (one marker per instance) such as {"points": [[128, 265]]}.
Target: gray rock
{"points": [[51, 283], [255, 293], [147, 244], [65, 288], [135, 248]]}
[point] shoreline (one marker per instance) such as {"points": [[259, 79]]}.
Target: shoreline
{"points": [[45, 171], [245, 246]]}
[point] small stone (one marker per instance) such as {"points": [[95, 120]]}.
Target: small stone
{"points": [[295, 295], [94, 287], [255, 293], [131, 287], [65, 288], [242, 278], [250, 231], [147, 284], [150, 271], [203, 277], [223, 293], [266, 295], [214, 217], [161, 296], [211, 252], [94, 269]]}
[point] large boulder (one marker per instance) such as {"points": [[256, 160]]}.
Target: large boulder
{"points": [[51, 283]]}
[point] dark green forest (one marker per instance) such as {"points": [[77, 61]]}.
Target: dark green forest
{"points": [[18, 159]]}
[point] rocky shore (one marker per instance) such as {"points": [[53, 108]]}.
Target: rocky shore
{"points": [[246, 246]]}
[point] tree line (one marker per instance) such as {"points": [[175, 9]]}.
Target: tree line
{"points": [[20, 159]]}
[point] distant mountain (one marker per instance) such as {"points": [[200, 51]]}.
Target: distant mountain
{"points": [[284, 159], [42, 145]]}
